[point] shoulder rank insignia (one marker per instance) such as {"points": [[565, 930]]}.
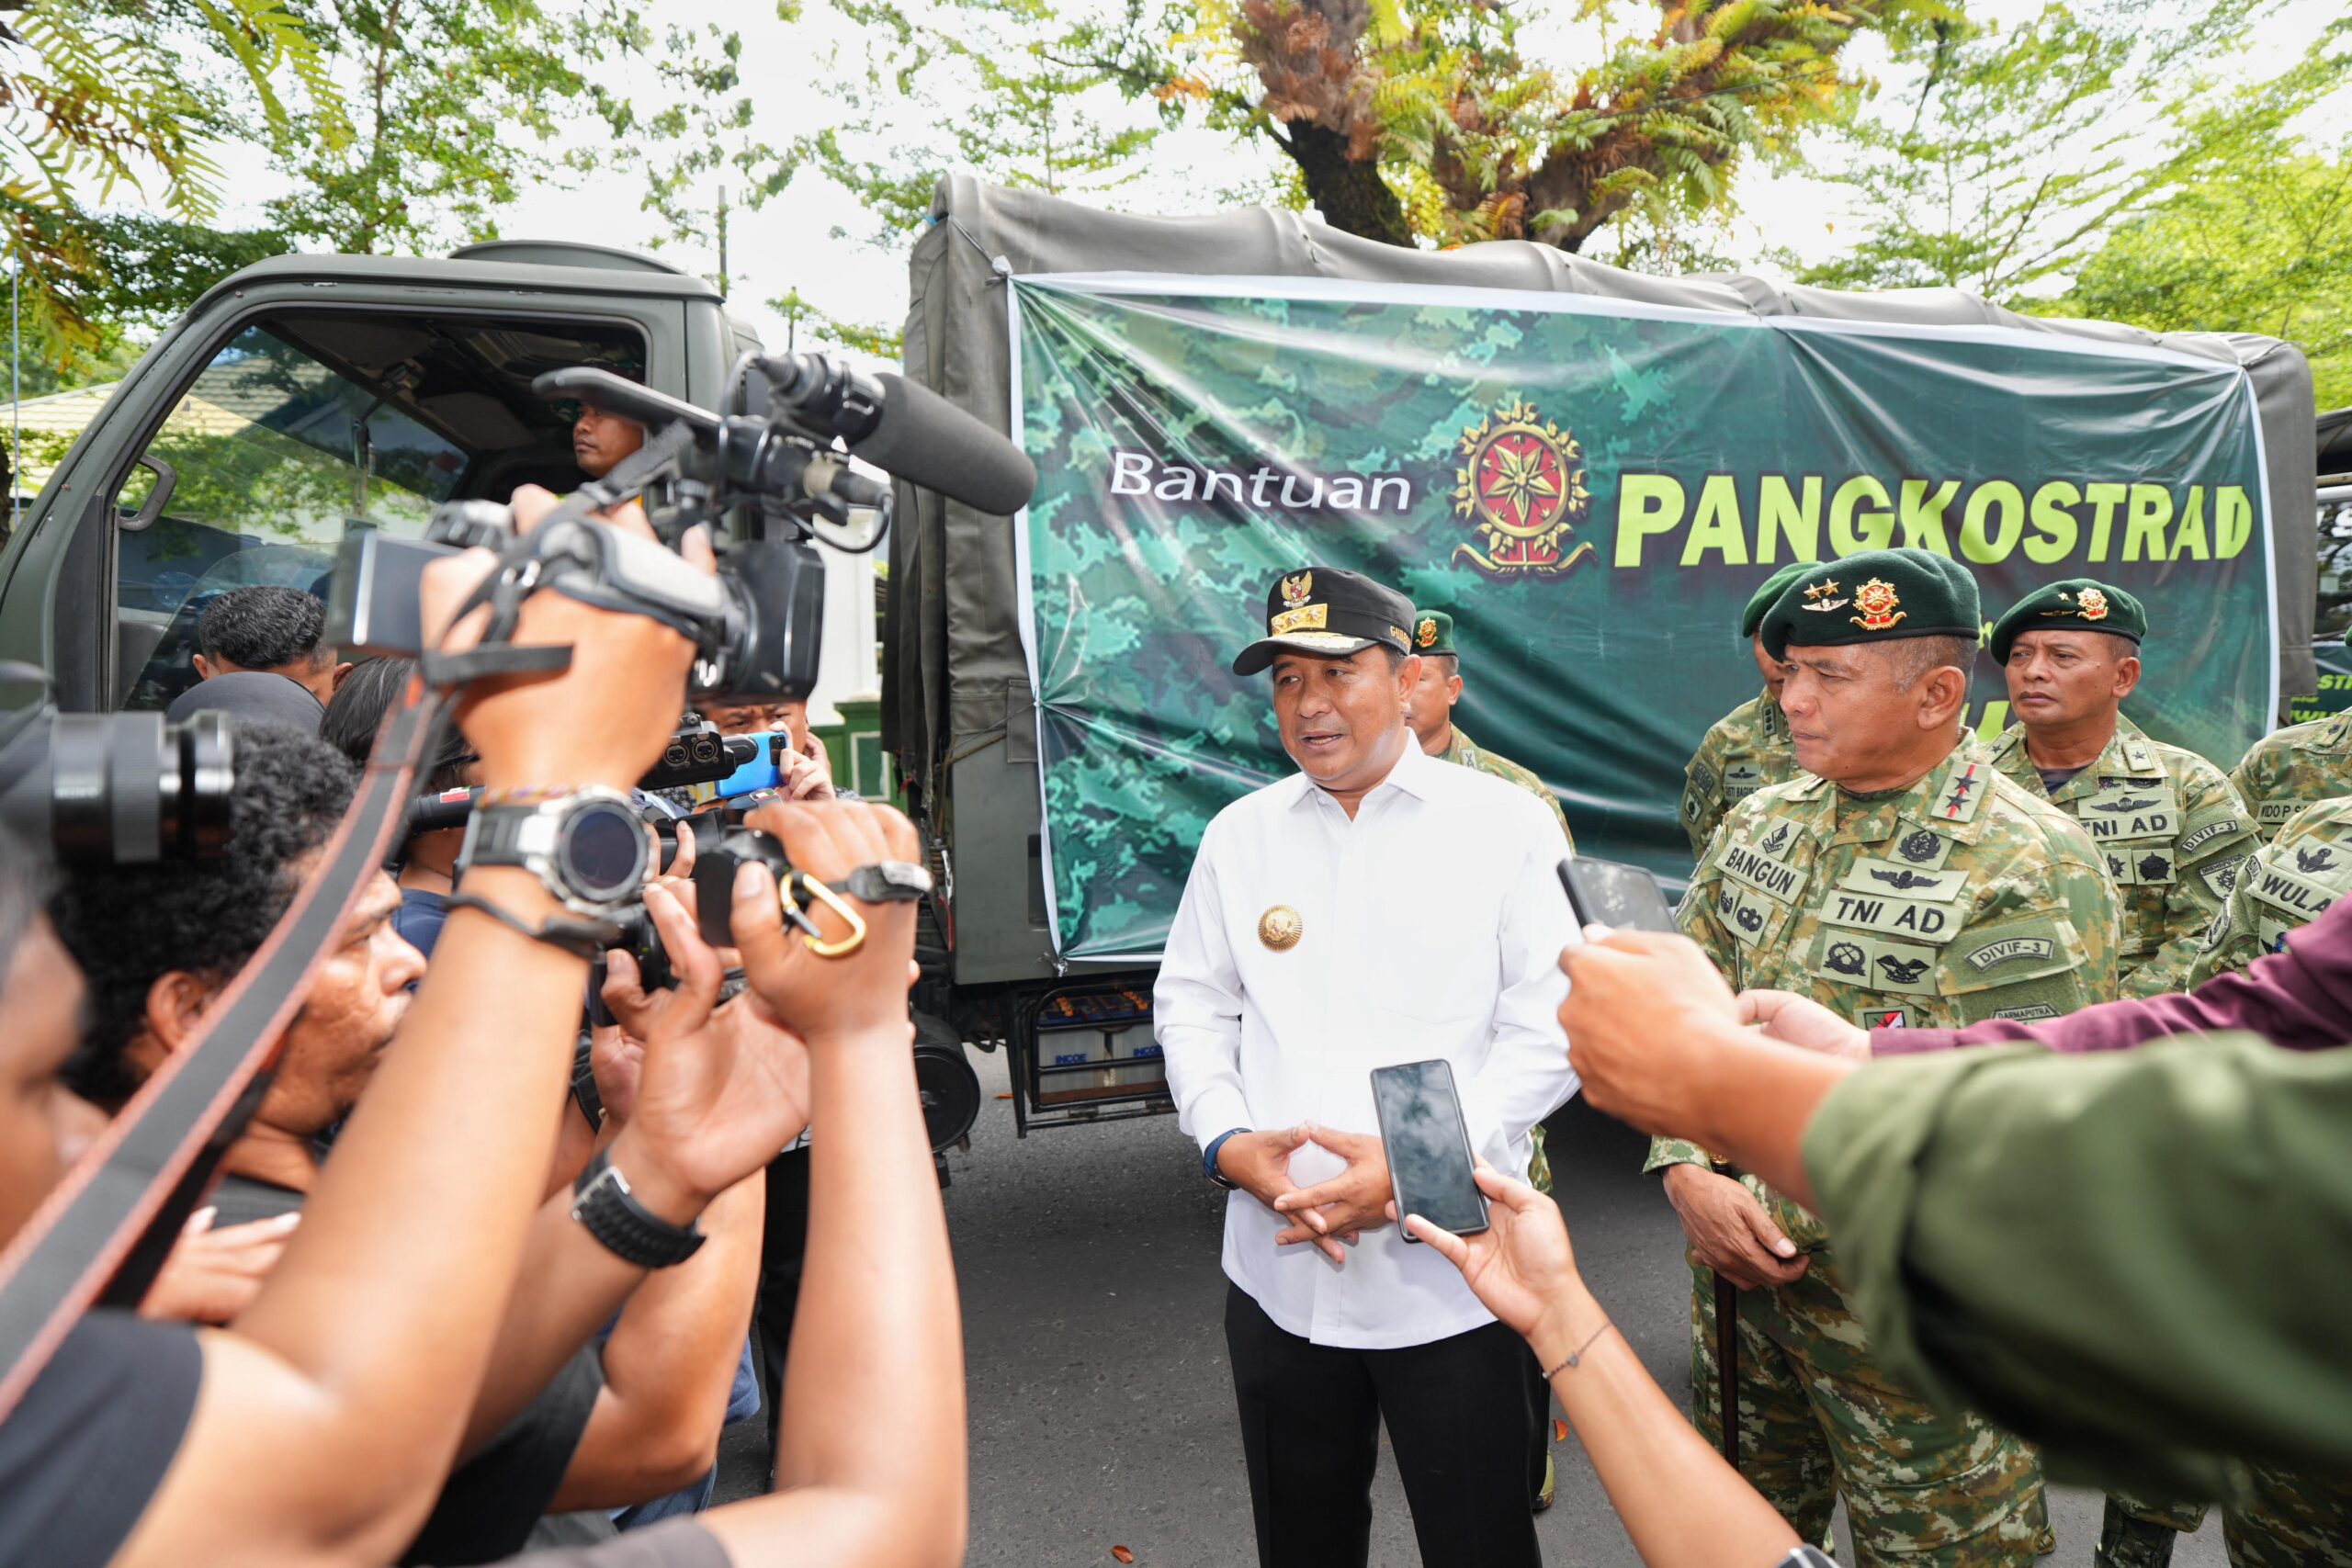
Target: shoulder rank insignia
{"points": [[1821, 597], [1879, 605], [1298, 589], [1959, 803]]}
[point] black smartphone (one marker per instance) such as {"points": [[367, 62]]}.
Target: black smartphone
{"points": [[1428, 1147], [1609, 893]]}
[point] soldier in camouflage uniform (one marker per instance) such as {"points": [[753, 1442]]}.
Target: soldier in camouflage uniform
{"points": [[2295, 767], [2172, 830], [1748, 747], [1910, 883], [1430, 714]]}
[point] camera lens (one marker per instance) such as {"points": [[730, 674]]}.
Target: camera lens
{"points": [[129, 789]]}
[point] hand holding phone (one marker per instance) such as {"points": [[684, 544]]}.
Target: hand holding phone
{"points": [[1429, 1163], [1623, 897]]}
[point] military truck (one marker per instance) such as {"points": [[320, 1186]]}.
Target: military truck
{"points": [[1209, 400]]}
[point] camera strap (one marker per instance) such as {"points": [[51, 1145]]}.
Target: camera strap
{"points": [[103, 1233]]}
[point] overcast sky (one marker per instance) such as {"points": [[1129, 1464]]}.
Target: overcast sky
{"points": [[791, 244]]}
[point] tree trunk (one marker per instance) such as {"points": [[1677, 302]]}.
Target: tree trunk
{"points": [[1349, 195]]}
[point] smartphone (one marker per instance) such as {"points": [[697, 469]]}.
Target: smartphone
{"points": [[1428, 1147], [1608, 893]]}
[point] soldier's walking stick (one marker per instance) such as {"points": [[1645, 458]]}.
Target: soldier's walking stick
{"points": [[1728, 1352]]}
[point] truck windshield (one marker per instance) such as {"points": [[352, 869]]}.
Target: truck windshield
{"points": [[304, 424]]}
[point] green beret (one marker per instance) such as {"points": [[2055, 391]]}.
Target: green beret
{"points": [[2076, 604], [1876, 596], [1433, 633], [1761, 600]]}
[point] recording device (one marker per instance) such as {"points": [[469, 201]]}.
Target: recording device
{"points": [[756, 626], [1427, 1144], [698, 753], [122, 788], [1609, 893]]}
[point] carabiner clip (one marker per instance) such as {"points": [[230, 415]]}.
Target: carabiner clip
{"points": [[799, 884]]}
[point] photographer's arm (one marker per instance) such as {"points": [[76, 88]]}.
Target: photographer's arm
{"points": [[1659, 1044], [877, 1330], [1684, 1506], [329, 1414], [671, 1364], [711, 1097]]}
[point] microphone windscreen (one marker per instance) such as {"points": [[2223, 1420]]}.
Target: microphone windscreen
{"points": [[926, 440]]}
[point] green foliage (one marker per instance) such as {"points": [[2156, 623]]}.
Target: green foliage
{"points": [[2020, 150], [110, 96], [2263, 247], [701, 140], [802, 318], [1004, 89], [1435, 123], [457, 106]]}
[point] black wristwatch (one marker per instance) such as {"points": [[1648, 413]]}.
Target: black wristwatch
{"points": [[586, 846], [602, 1201]]}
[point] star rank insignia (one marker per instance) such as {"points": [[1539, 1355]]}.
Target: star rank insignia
{"points": [[1957, 805], [1822, 598]]}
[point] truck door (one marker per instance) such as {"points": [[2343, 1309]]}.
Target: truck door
{"points": [[243, 447]]}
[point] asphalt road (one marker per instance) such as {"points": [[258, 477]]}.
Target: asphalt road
{"points": [[1101, 1404]]}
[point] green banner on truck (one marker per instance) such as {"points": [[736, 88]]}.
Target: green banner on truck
{"points": [[1591, 487]]}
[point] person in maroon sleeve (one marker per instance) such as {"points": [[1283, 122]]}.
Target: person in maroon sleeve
{"points": [[2299, 998]]}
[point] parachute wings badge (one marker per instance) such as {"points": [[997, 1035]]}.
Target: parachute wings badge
{"points": [[1521, 488]]}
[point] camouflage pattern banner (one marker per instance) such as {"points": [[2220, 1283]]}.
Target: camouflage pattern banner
{"points": [[1592, 487]]}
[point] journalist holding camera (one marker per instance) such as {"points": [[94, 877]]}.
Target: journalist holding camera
{"points": [[432, 1299]]}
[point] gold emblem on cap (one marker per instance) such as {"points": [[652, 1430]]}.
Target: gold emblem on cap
{"points": [[1280, 928], [1426, 633], [1297, 589], [2091, 604], [1879, 605]]}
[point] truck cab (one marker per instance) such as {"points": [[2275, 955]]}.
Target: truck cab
{"points": [[309, 390]]}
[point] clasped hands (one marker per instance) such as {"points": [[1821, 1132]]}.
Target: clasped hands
{"points": [[1331, 1215]]}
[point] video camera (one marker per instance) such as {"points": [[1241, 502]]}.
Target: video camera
{"points": [[122, 788], [756, 625]]}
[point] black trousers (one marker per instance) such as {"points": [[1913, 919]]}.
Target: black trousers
{"points": [[1457, 1412], [782, 1250]]}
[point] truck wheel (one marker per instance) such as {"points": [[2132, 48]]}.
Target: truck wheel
{"points": [[945, 1078]]}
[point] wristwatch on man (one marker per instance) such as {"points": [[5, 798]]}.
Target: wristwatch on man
{"points": [[601, 1200], [586, 846]]}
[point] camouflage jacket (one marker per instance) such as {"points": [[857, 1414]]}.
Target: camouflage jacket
{"points": [[2289, 769], [1747, 748], [2173, 832], [2289, 884], [1957, 899], [1470, 754]]}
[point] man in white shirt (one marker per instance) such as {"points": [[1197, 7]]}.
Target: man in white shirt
{"points": [[1308, 950]]}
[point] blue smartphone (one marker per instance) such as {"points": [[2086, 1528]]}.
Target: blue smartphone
{"points": [[1428, 1142]]}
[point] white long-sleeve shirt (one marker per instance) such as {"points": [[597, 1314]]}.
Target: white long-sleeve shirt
{"points": [[1431, 926]]}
